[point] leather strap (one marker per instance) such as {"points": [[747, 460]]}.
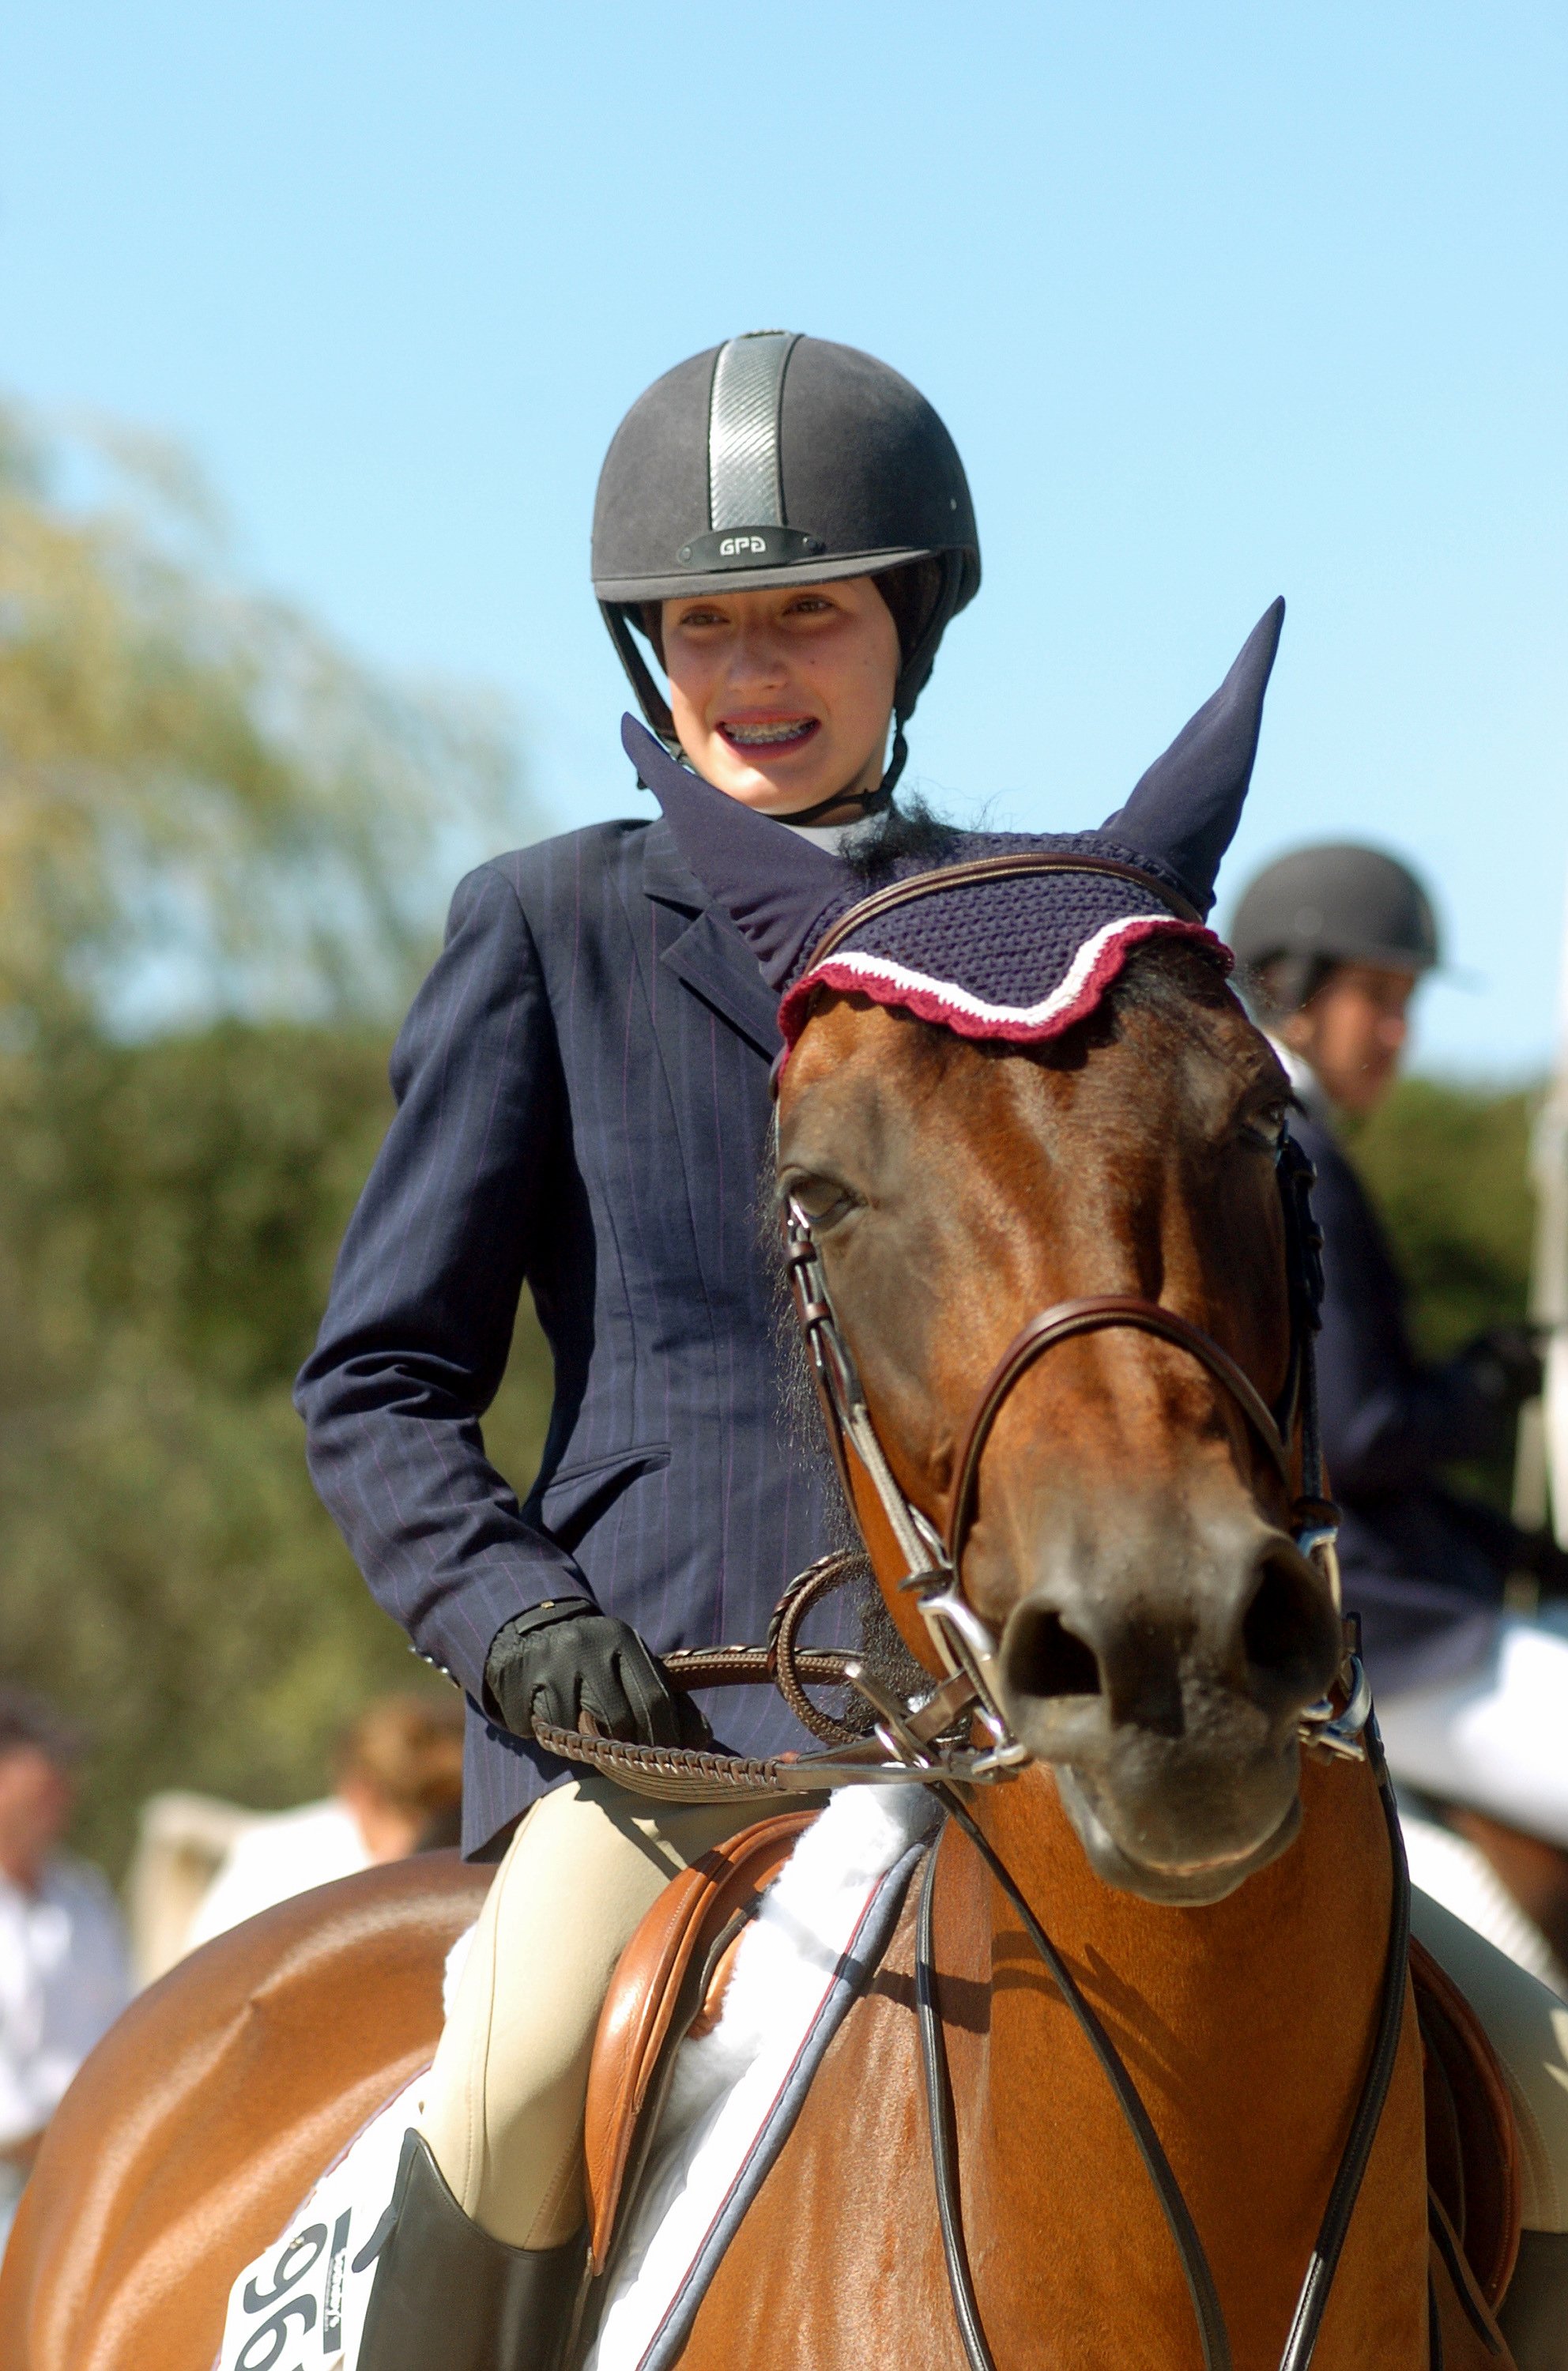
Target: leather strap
{"points": [[1094, 1314], [1313, 2300], [789, 1663], [1214, 2338], [944, 2140], [1022, 865]]}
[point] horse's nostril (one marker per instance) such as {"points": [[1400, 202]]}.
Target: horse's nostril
{"points": [[1044, 1659], [1286, 1631]]}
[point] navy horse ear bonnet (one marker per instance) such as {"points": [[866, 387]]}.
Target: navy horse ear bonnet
{"points": [[1018, 957]]}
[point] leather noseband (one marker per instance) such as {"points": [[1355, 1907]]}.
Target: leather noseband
{"points": [[1094, 1314]]}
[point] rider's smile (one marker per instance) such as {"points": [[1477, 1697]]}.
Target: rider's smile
{"points": [[766, 738]]}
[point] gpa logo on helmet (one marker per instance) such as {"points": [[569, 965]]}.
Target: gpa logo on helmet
{"points": [[743, 546]]}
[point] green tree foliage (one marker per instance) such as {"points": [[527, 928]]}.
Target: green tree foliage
{"points": [[183, 769], [1449, 1168], [192, 779], [169, 1219]]}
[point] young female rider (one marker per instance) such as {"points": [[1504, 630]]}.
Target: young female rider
{"points": [[583, 1106]]}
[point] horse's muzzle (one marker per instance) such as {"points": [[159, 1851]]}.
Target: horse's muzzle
{"points": [[1166, 1693]]}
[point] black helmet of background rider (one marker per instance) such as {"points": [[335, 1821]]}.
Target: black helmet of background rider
{"points": [[1311, 911], [777, 458]]}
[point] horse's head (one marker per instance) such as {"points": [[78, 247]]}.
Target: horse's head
{"points": [[1160, 1632], [1010, 1093]]}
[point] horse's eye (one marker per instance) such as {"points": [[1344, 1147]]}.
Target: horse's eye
{"points": [[1265, 1125], [822, 1200]]}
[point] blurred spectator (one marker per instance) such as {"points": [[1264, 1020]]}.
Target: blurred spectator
{"points": [[182, 1841], [63, 1974], [399, 1785]]}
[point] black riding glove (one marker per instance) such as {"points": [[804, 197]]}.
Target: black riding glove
{"points": [[1504, 1365], [557, 1662]]}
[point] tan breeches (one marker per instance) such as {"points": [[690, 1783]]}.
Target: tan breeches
{"points": [[504, 2109]]}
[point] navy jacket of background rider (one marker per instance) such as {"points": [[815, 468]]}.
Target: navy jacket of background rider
{"points": [[1424, 1568], [582, 1106]]}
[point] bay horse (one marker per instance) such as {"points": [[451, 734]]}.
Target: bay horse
{"points": [[1129, 1548]]}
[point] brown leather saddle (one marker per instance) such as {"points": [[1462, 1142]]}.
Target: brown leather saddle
{"points": [[1472, 2144], [671, 1982]]}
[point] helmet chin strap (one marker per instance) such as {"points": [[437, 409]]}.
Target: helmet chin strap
{"points": [[869, 802]]}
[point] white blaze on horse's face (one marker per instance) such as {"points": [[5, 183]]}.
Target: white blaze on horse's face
{"points": [[1161, 1634]]}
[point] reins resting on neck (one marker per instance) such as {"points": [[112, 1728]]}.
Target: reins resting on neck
{"points": [[1213, 2336]]}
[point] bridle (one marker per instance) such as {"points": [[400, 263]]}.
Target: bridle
{"points": [[930, 1743], [965, 1644]]}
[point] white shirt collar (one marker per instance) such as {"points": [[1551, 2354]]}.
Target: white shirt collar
{"points": [[1303, 1079], [829, 837]]}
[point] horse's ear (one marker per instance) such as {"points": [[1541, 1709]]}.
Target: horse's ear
{"points": [[775, 885], [1185, 810]]}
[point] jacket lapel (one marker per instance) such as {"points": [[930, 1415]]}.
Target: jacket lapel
{"points": [[710, 957]]}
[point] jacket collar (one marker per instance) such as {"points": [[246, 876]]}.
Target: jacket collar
{"points": [[710, 957], [666, 875]]}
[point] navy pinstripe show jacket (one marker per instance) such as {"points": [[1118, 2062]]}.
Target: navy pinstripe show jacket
{"points": [[583, 1105]]}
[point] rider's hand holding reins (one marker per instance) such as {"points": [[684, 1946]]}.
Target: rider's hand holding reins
{"points": [[560, 1662]]}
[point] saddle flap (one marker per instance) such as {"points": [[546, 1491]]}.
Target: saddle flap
{"points": [[1472, 2150], [671, 1974]]}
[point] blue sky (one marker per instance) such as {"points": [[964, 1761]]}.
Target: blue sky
{"points": [[1218, 301]]}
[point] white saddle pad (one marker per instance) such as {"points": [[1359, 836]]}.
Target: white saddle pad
{"points": [[733, 2099]]}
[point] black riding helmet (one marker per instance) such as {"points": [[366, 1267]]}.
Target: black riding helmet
{"points": [[1321, 907], [776, 459]]}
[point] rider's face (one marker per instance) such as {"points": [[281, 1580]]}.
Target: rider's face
{"points": [[782, 697], [1352, 1033]]}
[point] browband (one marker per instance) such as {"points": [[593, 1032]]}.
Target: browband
{"points": [[1020, 864]]}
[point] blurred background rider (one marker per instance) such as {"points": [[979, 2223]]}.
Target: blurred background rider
{"points": [[65, 1976], [1333, 943]]}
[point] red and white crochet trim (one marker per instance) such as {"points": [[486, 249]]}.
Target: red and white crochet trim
{"points": [[1091, 973]]}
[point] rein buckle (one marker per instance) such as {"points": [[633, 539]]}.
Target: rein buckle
{"points": [[1340, 1734]]}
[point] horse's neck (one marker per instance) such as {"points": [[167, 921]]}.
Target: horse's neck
{"points": [[1247, 2027]]}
